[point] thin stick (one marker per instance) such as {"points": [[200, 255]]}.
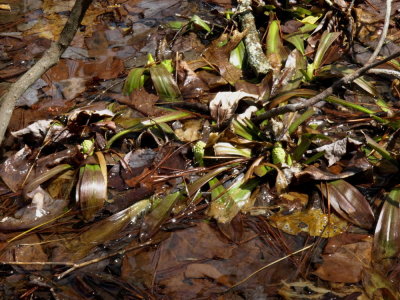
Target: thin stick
{"points": [[384, 32], [321, 96], [270, 264]]}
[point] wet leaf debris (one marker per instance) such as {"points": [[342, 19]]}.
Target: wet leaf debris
{"points": [[202, 150]]}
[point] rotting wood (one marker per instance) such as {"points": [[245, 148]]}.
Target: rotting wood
{"points": [[256, 58], [50, 57]]}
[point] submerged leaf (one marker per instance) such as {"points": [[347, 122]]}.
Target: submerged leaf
{"points": [[106, 229], [226, 203], [349, 252], [158, 215]]}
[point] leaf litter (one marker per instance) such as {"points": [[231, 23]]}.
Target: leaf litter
{"points": [[137, 167]]}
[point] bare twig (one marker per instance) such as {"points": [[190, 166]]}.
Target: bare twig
{"points": [[49, 59], [255, 55], [388, 72], [321, 96], [384, 32]]}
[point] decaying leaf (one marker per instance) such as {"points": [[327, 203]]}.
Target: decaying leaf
{"points": [[43, 208], [312, 221], [345, 257], [105, 230]]}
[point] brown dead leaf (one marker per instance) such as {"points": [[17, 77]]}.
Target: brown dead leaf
{"points": [[142, 101], [345, 257], [107, 68], [191, 85], [219, 56], [312, 221], [27, 249]]}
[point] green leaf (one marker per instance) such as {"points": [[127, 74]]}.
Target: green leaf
{"points": [[134, 81], [273, 38], [164, 83], [224, 148], [168, 64], [297, 40], [304, 116], [381, 150], [237, 55], [247, 129], [326, 41], [387, 232], [176, 25], [199, 22], [139, 126]]}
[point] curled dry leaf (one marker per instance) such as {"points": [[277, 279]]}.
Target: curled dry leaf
{"points": [[224, 104]]}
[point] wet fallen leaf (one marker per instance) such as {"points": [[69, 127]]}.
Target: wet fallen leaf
{"points": [[312, 221], [349, 203], [345, 257], [26, 249]]}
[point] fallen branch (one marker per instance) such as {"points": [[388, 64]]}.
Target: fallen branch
{"points": [[49, 59], [255, 55], [321, 96]]}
